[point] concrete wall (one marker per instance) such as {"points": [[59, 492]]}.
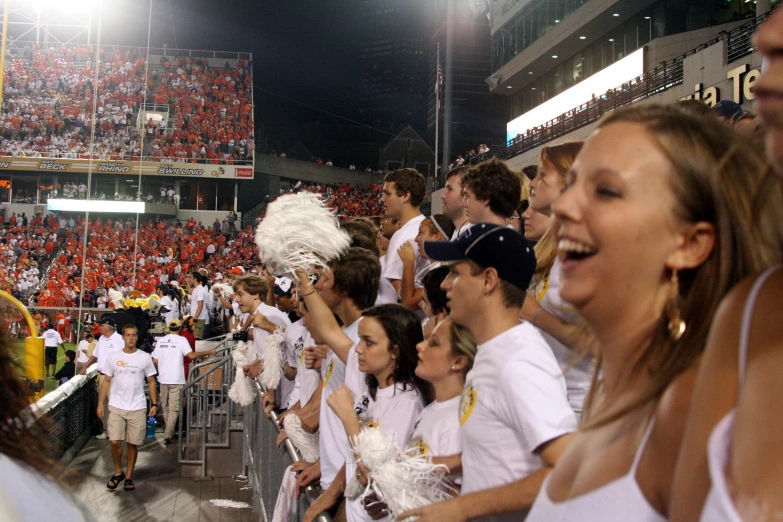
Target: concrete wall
{"points": [[276, 166], [669, 47]]}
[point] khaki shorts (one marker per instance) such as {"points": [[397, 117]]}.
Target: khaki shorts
{"points": [[198, 328], [130, 426]]}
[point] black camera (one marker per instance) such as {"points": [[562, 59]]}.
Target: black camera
{"points": [[239, 336]]}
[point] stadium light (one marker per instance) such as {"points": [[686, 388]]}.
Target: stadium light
{"points": [[96, 205]]}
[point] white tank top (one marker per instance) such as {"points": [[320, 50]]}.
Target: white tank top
{"points": [[719, 506], [621, 500]]}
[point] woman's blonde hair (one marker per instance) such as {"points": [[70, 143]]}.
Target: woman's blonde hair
{"points": [[463, 343], [558, 158], [714, 177]]}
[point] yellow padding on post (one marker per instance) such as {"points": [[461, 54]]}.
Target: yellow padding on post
{"points": [[34, 364]]}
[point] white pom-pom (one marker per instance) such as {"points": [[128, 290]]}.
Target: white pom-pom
{"points": [[226, 290], [274, 360], [306, 443], [374, 447], [299, 231], [242, 391], [401, 480]]}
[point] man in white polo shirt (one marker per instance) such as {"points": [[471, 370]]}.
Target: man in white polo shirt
{"points": [[168, 356], [515, 416], [125, 372], [52, 341], [109, 343], [403, 192]]}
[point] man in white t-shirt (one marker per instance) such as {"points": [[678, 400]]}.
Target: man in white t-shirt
{"points": [[515, 416], [125, 372], [84, 350], [249, 291], [198, 303], [168, 356], [451, 198], [403, 192], [347, 287], [109, 342], [491, 193], [52, 341]]}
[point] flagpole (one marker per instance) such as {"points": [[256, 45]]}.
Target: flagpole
{"points": [[437, 108]]}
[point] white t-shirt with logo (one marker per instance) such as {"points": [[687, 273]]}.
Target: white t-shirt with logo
{"points": [[333, 442], [386, 292], [199, 294], [578, 375], [392, 268], [128, 372], [437, 431], [394, 412], [514, 401], [170, 352], [293, 344], [105, 347], [273, 315], [52, 339]]}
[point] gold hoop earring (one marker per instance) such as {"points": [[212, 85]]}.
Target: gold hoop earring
{"points": [[676, 324]]}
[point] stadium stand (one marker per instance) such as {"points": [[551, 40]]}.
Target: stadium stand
{"points": [[48, 101]]}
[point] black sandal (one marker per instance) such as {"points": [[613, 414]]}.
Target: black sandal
{"points": [[115, 481], [129, 486]]}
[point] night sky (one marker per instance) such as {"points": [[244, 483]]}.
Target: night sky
{"points": [[303, 49]]}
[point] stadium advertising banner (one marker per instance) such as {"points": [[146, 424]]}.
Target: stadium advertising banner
{"points": [[82, 166]]}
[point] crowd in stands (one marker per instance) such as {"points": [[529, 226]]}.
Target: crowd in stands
{"points": [[348, 201], [472, 156], [48, 103], [164, 253]]}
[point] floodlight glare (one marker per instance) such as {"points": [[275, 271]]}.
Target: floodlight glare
{"points": [[64, 6], [96, 205]]}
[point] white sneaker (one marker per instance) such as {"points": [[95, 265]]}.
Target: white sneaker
{"points": [[102, 436]]}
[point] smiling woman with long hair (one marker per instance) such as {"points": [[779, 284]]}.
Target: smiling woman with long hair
{"points": [[653, 230]]}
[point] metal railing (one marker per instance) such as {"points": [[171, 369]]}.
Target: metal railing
{"points": [[67, 414], [739, 41], [205, 411], [267, 464]]}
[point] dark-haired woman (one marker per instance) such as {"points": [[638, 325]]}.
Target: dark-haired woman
{"points": [[387, 359]]}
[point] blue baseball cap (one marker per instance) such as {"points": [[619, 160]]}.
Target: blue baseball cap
{"points": [[490, 246]]}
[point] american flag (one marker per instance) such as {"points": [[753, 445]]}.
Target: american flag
{"points": [[438, 79]]}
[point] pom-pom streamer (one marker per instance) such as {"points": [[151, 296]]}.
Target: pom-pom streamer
{"points": [[402, 480], [299, 231]]}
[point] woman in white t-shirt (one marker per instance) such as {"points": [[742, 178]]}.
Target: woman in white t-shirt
{"points": [[544, 308], [386, 352], [435, 228]]}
